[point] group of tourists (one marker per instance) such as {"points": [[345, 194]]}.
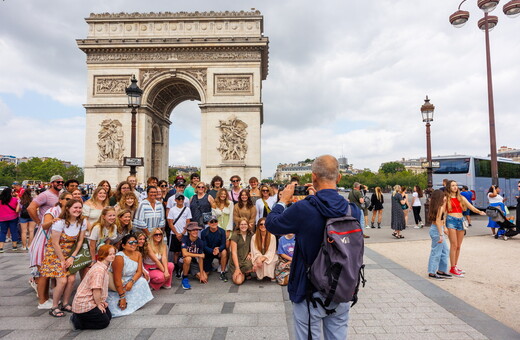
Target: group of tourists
{"points": [[124, 244]]}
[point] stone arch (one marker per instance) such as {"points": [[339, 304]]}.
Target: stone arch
{"points": [[217, 58]]}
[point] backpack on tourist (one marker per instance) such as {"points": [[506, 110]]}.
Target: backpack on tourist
{"points": [[338, 269]]}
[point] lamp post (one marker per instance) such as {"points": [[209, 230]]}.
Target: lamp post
{"points": [[487, 23], [134, 94], [427, 115]]}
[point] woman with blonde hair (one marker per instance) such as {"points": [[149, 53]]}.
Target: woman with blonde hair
{"points": [[156, 261], [265, 202], [128, 202], [455, 205], [200, 205], [94, 206], [397, 222], [263, 250], [222, 208], [377, 201], [104, 231], [123, 225]]}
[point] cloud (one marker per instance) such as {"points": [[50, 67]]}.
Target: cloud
{"points": [[344, 77]]}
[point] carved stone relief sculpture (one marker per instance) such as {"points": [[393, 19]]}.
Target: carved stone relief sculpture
{"points": [[230, 84], [110, 141], [233, 146], [110, 85]]}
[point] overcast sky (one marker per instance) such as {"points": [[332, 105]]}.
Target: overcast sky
{"points": [[345, 77]]}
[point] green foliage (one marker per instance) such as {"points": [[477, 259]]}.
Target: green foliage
{"points": [[384, 180], [392, 167], [172, 173], [36, 169]]}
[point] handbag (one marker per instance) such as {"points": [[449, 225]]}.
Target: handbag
{"points": [[465, 224], [82, 260]]}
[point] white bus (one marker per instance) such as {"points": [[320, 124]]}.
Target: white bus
{"points": [[475, 173]]}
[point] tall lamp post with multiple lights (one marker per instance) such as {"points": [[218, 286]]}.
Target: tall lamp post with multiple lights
{"points": [[134, 94], [427, 115], [487, 23]]}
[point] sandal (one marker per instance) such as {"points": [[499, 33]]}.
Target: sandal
{"points": [[66, 308], [394, 234], [400, 236], [56, 312]]}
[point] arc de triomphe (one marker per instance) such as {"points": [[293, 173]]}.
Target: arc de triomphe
{"points": [[216, 58]]}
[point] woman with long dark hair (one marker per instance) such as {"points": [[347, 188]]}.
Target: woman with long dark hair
{"points": [[122, 187], [263, 251], [416, 206], [495, 200], [27, 225], [216, 184], [397, 222], [244, 209], [455, 205], [438, 261], [9, 209]]}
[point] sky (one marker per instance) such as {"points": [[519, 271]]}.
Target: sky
{"points": [[345, 78]]}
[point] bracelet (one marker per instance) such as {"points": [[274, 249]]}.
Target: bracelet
{"points": [[131, 280], [122, 298], [74, 257], [122, 294]]}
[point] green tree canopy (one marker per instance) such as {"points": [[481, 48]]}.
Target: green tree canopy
{"points": [[392, 167]]}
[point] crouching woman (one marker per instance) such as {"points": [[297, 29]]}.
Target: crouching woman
{"points": [[90, 307]]}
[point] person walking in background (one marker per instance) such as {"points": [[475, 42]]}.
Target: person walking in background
{"points": [[416, 206], [406, 205], [27, 225], [9, 209], [377, 207], [355, 196], [438, 261], [469, 197], [495, 200], [397, 222], [455, 205]]}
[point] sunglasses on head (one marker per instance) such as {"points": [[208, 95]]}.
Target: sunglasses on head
{"points": [[132, 242]]}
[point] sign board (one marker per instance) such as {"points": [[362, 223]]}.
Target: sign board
{"points": [[133, 161], [435, 164]]}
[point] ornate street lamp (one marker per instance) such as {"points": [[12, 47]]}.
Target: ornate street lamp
{"points": [[487, 23], [427, 115], [134, 94]]}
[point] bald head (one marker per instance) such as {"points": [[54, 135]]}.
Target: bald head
{"points": [[326, 168]]}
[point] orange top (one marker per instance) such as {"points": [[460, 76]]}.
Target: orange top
{"points": [[455, 206]]}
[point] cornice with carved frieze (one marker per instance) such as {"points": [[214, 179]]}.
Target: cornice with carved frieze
{"points": [[196, 14]]}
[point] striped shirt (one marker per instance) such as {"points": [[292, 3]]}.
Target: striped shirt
{"points": [[96, 278], [149, 218]]}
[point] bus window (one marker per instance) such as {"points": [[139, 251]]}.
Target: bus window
{"points": [[482, 167], [452, 166]]}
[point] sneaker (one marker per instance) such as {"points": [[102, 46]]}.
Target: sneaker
{"points": [[469, 225], [167, 287], [445, 275], [178, 275], [186, 283], [223, 276], [422, 225], [460, 270], [46, 305], [15, 248], [1, 250], [436, 277], [417, 227], [8, 239], [455, 273], [366, 236]]}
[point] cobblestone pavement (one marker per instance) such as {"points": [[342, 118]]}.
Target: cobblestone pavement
{"points": [[395, 304]]}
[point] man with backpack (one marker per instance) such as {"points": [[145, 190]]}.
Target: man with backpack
{"points": [[307, 219]]}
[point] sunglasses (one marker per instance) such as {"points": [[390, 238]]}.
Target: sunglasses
{"points": [[132, 242], [163, 186], [68, 199], [213, 221], [200, 187], [261, 223], [265, 190], [235, 180], [157, 234], [59, 182]]}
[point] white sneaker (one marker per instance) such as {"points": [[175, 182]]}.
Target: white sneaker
{"points": [[416, 227], [46, 305]]}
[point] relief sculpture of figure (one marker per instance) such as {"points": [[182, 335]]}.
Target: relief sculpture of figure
{"points": [[233, 144], [110, 141]]}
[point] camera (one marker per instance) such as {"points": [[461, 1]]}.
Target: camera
{"points": [[301, 190]]}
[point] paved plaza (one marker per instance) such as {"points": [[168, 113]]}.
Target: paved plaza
{"points": [[395, 304]]}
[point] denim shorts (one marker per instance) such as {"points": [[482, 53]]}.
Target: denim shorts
{"points": [[25, 220], [454, 222]]}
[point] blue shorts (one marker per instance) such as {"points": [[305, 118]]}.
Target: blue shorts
{"points": [[454, 222], [25, 220], [466, 212]]}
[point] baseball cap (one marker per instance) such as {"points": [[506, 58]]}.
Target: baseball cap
{"points": [[56, 178], [180, 184], [179, 178], [213, 218], [179, 195], [193, 226]]}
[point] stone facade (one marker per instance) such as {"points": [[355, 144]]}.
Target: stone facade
{"points": [[217, 58]]}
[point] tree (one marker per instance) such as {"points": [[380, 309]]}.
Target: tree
{"points": [[391, 167], [172, 173], [7, 173], [36, 169]]}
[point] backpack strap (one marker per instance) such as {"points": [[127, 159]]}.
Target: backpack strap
{"points": [[361, 279]]}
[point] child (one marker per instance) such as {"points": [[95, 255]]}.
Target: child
{"points": [[438, 262], [286, 252]]}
